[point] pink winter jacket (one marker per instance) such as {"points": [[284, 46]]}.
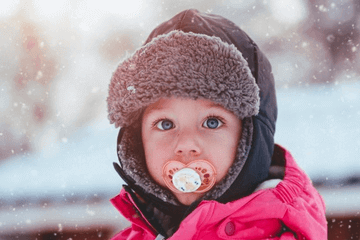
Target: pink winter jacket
{"points": [[294, 202]]}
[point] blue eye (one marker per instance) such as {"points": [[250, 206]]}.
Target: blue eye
{"points": [[212, 123], [165, 125]]}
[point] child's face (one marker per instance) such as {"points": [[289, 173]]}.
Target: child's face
{"points": [[186, 130]]}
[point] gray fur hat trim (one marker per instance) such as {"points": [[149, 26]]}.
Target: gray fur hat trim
{"points": [[187, 65], [184, 65]]}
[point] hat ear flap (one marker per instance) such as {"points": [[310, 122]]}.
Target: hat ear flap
{"points": [[132, 164], [119, 166]]}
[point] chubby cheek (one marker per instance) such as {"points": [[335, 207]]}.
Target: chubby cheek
{"points": [[156, 155], [222, 152]]}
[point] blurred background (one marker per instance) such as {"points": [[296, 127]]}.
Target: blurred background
{"points": [[57, 146]]}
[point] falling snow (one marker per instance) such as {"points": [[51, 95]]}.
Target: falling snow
{"points": [[57, 146]]}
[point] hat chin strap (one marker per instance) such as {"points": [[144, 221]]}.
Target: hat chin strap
{"points": [[198, 176]]}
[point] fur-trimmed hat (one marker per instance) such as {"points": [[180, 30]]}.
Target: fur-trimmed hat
{"points": [[185, 65]]}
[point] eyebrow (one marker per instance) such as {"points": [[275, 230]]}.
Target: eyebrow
{"points": [[152, 108], [217, 105]]}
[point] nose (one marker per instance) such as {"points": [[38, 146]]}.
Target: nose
{"points": [[188, 145]]}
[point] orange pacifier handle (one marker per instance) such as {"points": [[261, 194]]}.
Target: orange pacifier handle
{"points": [[197, 176]]}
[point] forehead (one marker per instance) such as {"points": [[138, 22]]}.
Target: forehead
{"points": [[171, 103]]}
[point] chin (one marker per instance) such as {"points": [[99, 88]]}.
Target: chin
{"points": [[188, 198]]}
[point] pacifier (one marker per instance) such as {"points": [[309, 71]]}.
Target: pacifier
{"points": [[197, 176]]}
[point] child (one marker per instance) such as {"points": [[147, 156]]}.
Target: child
{"points": [[197, 110]]}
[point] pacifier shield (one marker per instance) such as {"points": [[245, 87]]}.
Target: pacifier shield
{"points": [[186, 180], [197, 176]]}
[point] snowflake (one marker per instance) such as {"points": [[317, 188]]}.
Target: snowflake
{"points": [[132, 89]]}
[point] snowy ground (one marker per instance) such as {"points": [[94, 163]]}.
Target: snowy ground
{"points": [[320, 126]]}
